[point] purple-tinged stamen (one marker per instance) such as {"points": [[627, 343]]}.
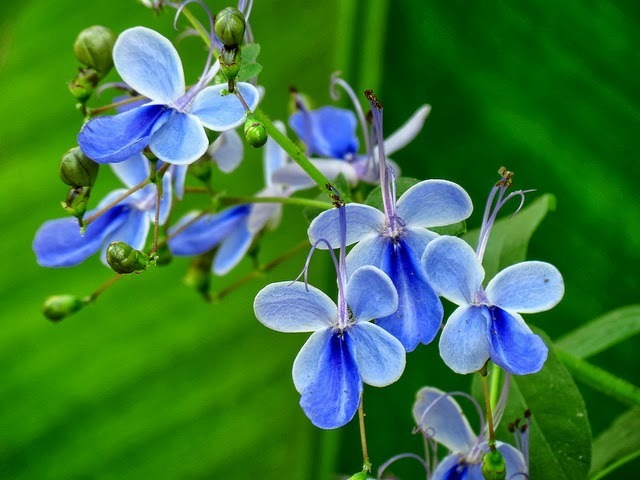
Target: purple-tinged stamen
{"points": [[335, 95], [401, 456], [117, 85], [305, 269], [245, 6], [501, 405]]}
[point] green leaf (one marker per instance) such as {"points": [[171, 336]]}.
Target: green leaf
{"points": [[609, 452], [602, 333], [249, 70], [374, 199], [560, 435], [250, 52], [510, 236]]}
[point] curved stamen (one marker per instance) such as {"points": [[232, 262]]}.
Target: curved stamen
{"points": [[498, 411], [335, 95], [305, 269], [401, 456], [211, 31], [117, 85]]}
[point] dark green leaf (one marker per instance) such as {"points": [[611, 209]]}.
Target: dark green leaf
{"points": [[249, 70], [608, 447], [250, 52], [455, 229]]}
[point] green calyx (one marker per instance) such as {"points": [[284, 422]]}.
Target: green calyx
{"points": [[229, 27], [76, 202], [82, 86], [124, 259], [493, 466], [57, 307], [78, 170], [230, 62], [94, 48], [255, 133]]}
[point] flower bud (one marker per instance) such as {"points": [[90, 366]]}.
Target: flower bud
{"points": [[359, 476], [57, 307], [493, 466], [82, 86], [255, 133], [78, 170], [230, 61], [94, 47], [229, 27], [76, 201], [123, 258]]}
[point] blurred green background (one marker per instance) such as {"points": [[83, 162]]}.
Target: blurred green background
{"points": [[151, 382]]}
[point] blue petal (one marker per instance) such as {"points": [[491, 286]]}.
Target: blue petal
{"points": [[407, 132], [371, 294], [179, 175], [434, 203], [380, 356], [232, 249], [58, 243], [181, 140], [222, 112], [526, 287], [420, 312], [368, 251], [453, 269], [207, 232], [440, 417], [133, 231], [132, 171], [514, 461], [514, 346], [150, 64], [274, 157], [361, 221], [227, 151], [331, 399], [116, 138], [263, 213], [291, 307], [165, 200], [292, 174], [463, 343], [306, 364], [327, 132], [452, 467]]}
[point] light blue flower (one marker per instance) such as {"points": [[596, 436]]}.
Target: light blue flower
{"points": [[487, 324], [345, 349], [59, 243], [172, 123], [441, 419]]}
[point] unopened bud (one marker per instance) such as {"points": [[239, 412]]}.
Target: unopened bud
{"points": [[94, 48], [359, 476], [230, 61], [229, 26], [82, 86], [78, 170], [198, 275], [76, 201], [57, 307], [493, 466], [255, 133], [123, 258]]}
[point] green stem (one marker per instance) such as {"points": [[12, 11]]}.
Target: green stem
{"points": [[615, 465], [372, 49], [600, 379], [496, 374], [303, 202], [294, 152], [366, 463], [198, 26], [92, 111], [487, 402]]}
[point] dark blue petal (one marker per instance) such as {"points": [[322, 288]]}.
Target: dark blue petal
{"points": [[420, 312], [452, 467], [58, 243], [327, 132], [331, 399], [513, 345], [115, 138]]}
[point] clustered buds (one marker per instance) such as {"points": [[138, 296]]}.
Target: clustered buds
{"points": [[57, 307], [78, 170], [93, 48], [229, 27], [493, 466], [124, 259]]}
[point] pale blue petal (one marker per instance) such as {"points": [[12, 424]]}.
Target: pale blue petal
{"points": [[181, 140], [290, 307], [116, 138], [133, 170], [526, 287], [166, 198], [463, 344], [368, 251], [262, 213], [371, 294], [407, 132], [227, 150], [206, 232], [274, 157], [59, 243], [418, 239], [452, 467], [331, 399], [306, 364], [232, 249], [133, 231], [327, 132], [222, 112], [292, 174], [513, 345], [361, 221], [179, 175], [420, 312], [514, 461], [434, 203], [453, 269], [379, 355], [440, 417], [150, 64]]}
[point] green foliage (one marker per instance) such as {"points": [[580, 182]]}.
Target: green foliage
{"points": [[249, 68], [620, 441], [374, 199]]}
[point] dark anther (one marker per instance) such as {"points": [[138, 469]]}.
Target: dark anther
{"points": [[511, 427], [527, 413], [373, 99]]}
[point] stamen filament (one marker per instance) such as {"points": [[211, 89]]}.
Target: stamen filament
{"points": [[336, 80]]}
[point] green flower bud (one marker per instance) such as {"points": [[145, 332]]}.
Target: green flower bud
{"points": [[76, 201], [229, 26], [78, 170], [123, 258], [493, 466], [94, 47], [198, 275], [359, 476], [82, 86], [57, 307], [230, 61], [255, 133]]}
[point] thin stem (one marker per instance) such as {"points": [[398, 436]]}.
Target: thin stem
{"points": [[366, 464], [93, 111], [495, 385], [198, 26], [156, 223], [615, 465], [93, 297], [487, 402], [244, 103], [292, 150]]}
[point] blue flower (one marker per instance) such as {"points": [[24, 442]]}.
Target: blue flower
{"points": [[345, 349], [441, 419], [59, 243], [487, 324], [172, 123]]}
